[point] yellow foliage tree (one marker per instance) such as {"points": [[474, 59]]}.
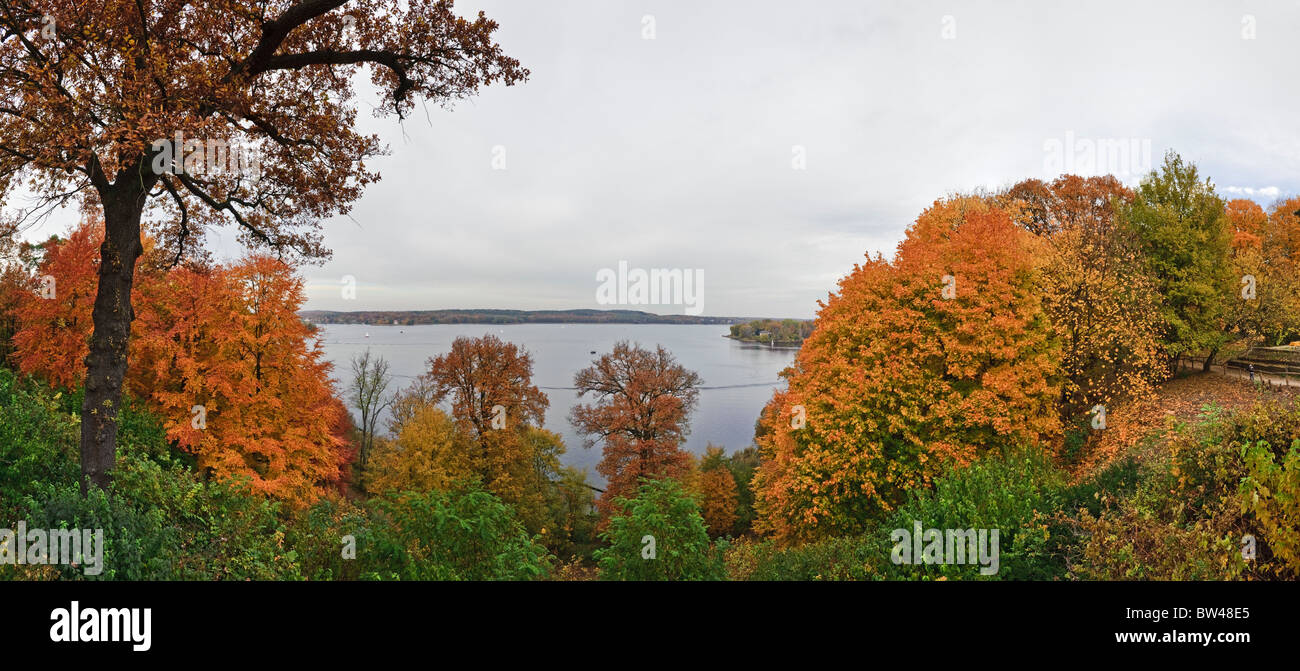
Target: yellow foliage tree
{"points": [[429, 453]]}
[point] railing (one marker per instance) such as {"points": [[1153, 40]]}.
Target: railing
{"points": [[1270, 375]]}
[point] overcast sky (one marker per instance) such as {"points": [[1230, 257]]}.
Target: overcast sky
{"points": [[681, 151]]}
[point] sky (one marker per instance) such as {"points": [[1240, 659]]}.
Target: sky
{"points": [[768, 146]]}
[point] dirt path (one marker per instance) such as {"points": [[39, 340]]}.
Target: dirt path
{"points": [[1237, 373]]}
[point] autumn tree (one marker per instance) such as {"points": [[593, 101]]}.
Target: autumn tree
{"points": [[54, 312], [1281, 247], [1183, 232], [717, 492], [221, 357], [1265, 306], [1103, 306], [181, 116], [1037, 203], [640, 414], [941, 356], [14, 282], [429, 453], [488, 384], [260, 380], [478, 376], [1249, 224], [1284, 228]]}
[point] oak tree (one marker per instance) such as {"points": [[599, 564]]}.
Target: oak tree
{"points": [[643, 400], [488, 384], [182, 115]]}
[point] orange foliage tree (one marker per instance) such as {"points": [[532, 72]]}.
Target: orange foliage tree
{"points": [[718, 493], [191, 115], [222, 358], [54, 316], [641, 415], [14, 281], [938, 357], [1284, 228]]}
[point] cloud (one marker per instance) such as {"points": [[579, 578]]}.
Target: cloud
{"points": [[677, 152], [1269, 192]]}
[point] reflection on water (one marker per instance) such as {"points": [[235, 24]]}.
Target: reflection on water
{"points": [[738, 377]]}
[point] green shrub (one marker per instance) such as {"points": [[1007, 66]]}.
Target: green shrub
{"points": [[226, 530], [38, 443], [660, 535], [319, 535], [1271, 492], [848, 558], [467, 534], [1117, 480], [1226, 478], [160, 522], [1018, 494]]}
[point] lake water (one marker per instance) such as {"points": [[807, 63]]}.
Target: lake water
{"points": [[739, 378]]}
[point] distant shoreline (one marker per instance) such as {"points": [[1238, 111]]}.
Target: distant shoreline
{"points": [[485, 316]]}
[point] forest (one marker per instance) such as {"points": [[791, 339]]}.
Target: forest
{"points": [[784, 332], [958, 384]]}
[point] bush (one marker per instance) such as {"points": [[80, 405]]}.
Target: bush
{"points": [[847, 558], [659, 535], [161, 523], [1271, 492], [1117, 480], [467, 534], [1227, 478], [227, 531], [318, 535], [1018, 494], [38, 443], [160, 520]]}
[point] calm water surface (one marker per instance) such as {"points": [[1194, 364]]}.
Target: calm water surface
{"points": [[738, 378]]}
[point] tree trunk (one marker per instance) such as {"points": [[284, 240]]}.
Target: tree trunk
{"points": [[112, 316], [1209, 359]]}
